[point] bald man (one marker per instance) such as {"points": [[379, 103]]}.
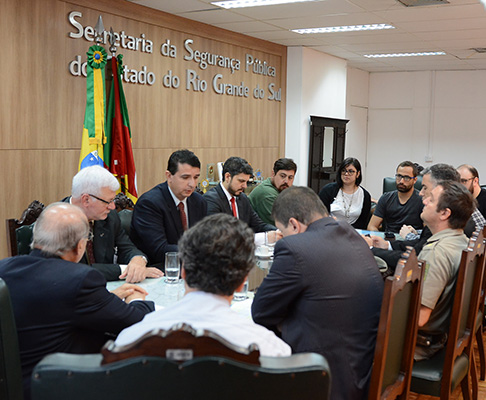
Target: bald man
{"points": [[60, 305]]}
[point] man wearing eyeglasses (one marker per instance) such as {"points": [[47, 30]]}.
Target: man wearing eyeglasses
{"points": [[470, 179], [402, 206], [94, 190]]}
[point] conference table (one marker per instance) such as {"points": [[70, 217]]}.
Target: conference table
{"points": [[164, 294]]}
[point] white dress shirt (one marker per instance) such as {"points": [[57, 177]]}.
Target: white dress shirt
{"points": [[208, 311]]}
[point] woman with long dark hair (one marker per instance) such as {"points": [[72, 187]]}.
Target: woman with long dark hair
{"points": [[345, 199]]}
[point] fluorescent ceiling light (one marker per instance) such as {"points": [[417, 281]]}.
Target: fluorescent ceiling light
{"points": [[351, 28], [426, 53], [254, 3]]}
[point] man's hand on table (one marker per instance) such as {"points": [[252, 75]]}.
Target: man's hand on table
{"points": [[129, 292], [137, 271], [380, 242], [406, 229]]}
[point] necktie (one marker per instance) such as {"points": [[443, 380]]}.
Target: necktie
{"points": [[233, 207], [89, 246], [183, 215]]}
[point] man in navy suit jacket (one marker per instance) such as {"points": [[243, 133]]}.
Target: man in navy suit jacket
{"points": [[323, 291], [60, 305], [162, 214], [228, 197]]}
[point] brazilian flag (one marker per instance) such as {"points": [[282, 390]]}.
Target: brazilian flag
{"points": [[94, 138]]}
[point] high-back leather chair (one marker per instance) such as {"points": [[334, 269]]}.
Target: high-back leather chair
{"points": [[178, 374], [454, 364], [19, 231], [126, 219], [397, 330], [10, 371]]}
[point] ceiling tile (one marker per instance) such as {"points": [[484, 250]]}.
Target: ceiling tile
{"points": [[453, 28]]}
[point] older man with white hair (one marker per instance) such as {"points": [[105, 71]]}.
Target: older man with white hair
{"points": [[94, 190]]}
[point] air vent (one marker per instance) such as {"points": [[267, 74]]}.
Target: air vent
{"points": [[418, 3], [479, 49]]}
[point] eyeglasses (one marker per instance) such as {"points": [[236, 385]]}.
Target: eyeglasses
{"points": [[405, 178], [463, 181], [90, 236], [103, 201], [348, 172]]}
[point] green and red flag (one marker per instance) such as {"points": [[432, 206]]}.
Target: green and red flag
{"points": [[118, 156], [94, 139]]}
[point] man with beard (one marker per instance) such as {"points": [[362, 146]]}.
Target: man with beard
{"points": [[402, 206], [264, 195], [228, 198], [470, 179]]}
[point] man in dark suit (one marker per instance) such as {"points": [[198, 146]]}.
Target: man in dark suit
{"points": [[58, 304], [93, 190], [323, 292], [162, 214], [228, 197]]}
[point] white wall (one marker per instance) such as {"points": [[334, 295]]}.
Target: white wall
{"points": [[426, 117], [438, 116], [316, 85], [357, 95]]}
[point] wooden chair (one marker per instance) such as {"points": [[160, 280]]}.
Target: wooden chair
{"points": [[397, 330], [479, 327], [123, 202], [145, 377], [454, 365], [180, 343], [10, 371], [19, 231]]}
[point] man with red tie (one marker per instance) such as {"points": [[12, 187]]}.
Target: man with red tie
{"points": [[228, 197], [162, 214]]}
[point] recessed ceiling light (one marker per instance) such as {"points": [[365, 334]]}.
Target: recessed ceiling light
{"points": [[254, 3], [425, 53], [351, 28]]}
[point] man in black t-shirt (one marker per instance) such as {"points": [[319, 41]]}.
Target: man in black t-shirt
{"points": [[402, 206]]}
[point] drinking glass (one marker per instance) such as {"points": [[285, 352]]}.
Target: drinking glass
{"points": [[172, 267], [242, 294]]}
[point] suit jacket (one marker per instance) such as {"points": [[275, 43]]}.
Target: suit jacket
{"points": [[61, 306], [156, 223], [324, 292], [218, 203], [110, 238]]}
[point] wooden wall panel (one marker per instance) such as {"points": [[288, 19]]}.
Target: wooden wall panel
{"points": [[42, 105]]}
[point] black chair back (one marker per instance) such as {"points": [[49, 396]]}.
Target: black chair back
{"points": [[10, 370], [126, 219], [397, 330], [79, 377]]}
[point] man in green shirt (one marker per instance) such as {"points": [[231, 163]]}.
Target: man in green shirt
{"points": [[263, 196], [446, 212]]}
